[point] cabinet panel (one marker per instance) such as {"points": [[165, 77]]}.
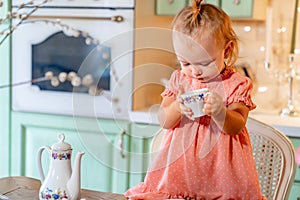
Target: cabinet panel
{"points": [[296, 143], [295, 192], [4, 93], [214, 2], [140, 136], [103, 167], [245, 9], [238, 8], [169, 7]]}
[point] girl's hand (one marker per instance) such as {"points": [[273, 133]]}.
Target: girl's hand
{"points": [[184, 109], [213, 105]]}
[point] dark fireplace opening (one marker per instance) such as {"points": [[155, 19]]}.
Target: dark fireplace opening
{"points": [[65, 55]]}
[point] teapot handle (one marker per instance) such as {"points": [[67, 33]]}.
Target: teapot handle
{"points": [[39, 161]]}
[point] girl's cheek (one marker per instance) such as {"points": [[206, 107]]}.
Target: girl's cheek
{"points": [[186, 70]]}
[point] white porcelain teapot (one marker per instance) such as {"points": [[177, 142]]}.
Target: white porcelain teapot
{"points": [[61, 182]]}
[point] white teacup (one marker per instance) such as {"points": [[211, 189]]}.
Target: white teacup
{"points": [[195, 100]]}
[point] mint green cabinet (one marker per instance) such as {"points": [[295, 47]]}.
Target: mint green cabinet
{"points": [[236, 9], [242, 9], [214, 2], [296, 143], [169, 7], [293, 133], [295, 192], [140, 140], [5, 94], [104, 167]]}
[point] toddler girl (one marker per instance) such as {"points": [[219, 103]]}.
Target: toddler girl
{"points": [[208, 157]]}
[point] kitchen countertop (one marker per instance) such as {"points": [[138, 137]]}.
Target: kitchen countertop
{"points": [[289, 125], [268, 117], [144, 117], [276, 119]]}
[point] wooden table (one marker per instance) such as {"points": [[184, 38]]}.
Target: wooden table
{"points": [[25, 188]]}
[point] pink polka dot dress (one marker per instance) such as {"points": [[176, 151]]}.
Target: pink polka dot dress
{"points": [[196, 159]]}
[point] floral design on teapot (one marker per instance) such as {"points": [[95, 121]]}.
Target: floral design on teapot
{"points": [[58, 194], [61, 156]]}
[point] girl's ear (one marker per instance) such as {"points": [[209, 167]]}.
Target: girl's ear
{"points": [[228, 49]]}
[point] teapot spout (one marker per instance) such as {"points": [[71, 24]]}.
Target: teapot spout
{"points": [[73, 185]]}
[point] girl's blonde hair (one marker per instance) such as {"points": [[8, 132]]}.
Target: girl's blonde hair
{"points": [[200, 20]]}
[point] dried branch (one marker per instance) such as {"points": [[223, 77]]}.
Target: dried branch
{"points": [[21, 18]]}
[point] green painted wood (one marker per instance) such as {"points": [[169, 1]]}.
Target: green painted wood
{"points": [[4, 97], [165, 7], [243, 9], [296, 143], [295, 192], [214, 2], [103, 166], [141, 136]]}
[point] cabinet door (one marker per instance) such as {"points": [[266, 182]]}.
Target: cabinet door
{"points": [[296, 143], [295, 192], [103, 167], [234, 8], [169, 7], [238, 8], [5, 93], [214, 2], [242, 9], [140, 139]]}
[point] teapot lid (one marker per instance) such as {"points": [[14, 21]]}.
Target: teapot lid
{"points": [[61, 145]]}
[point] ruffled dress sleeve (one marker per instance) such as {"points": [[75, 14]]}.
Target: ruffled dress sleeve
{"points": [[240, 91], [171, 89]]}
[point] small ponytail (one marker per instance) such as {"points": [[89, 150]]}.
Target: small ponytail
{"points": [[196, 7]]}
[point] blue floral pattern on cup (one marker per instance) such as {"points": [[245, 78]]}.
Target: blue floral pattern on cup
{"points": [[194, 98]]}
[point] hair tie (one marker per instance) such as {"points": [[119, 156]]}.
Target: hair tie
{"points": [[196, 7]]}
